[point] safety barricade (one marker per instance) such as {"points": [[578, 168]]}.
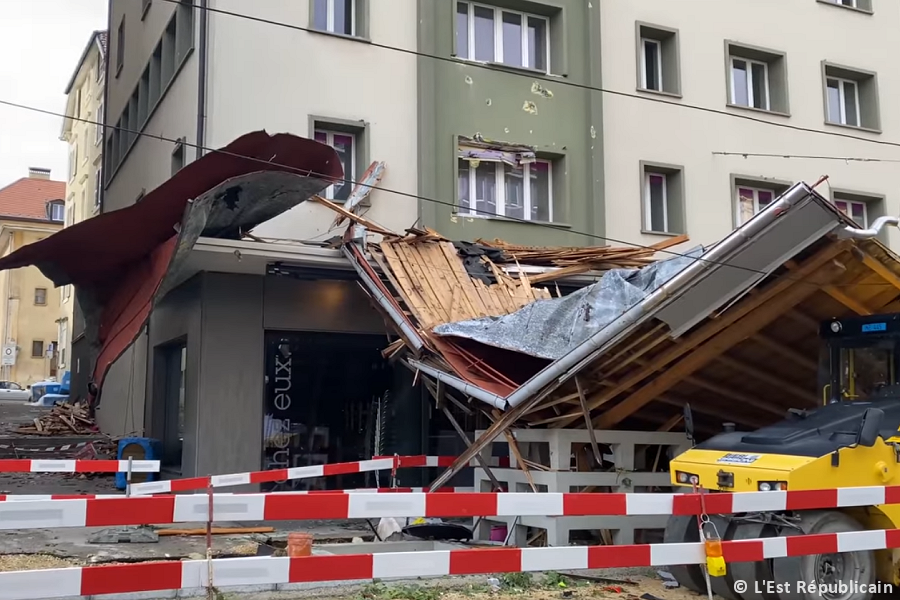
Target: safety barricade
{"points": [[397, 490], [381, 463], [16, 465], [279, 571], [105, 512]]}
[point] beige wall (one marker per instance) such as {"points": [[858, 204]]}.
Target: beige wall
{"points": [[663, 131], [81, 186], [23, 322], [281, 84]]}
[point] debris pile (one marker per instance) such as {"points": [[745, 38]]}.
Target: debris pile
{"points": [[63, 419]]}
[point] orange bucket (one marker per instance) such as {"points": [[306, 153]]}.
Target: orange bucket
{"points": [[299, 544]]}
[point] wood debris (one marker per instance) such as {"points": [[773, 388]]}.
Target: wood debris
{"points": [[63, 419], [599, 258]]}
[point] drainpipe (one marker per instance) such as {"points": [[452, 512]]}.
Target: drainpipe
{"points": [[873, 231], [202, 77], [557, 371]]}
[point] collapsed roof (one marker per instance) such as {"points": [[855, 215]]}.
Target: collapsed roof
{"points": [[732, 328]]}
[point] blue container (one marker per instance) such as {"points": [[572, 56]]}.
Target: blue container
{"points": [[152, 450]]}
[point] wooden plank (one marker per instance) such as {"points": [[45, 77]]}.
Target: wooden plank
{"points": [[851, 303], [587, 421], [414, 298], [452, 273], [361, 190], [701, 355], [462, 278], [784, 352], [880, 269], [435, 274], [374, 227], [712, 327], [773, 380], [671, 423], [422, 285]]}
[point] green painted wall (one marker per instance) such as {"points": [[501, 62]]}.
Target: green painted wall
{"points": [[459, 99]]}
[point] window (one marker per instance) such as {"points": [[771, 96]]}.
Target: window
{"points": [[860, 5], [651, 75], [523, 192], [335, 16], [752, 200], [120, 46], [98, 187], [100, 67], [663, 199], [145, 6], [78, 103], [37, 349], [843, 101], [658, 69], [98, 129], [178, 156], [851, 98], [70, 215], [495, 35], [40, 296], [853, 209], [757, 78], [63, 340], [345, 146], [56, 211], [73, 159]]}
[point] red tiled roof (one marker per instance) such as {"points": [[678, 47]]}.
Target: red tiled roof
{"points": [[27, 198]]}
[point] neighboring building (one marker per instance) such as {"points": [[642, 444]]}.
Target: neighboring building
{"points": [[84, 110], [31, 209], [665, 175]]}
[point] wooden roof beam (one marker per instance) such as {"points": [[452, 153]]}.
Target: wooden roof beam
{"points": [[878, 267], [752, 322], [838, 294], [771, 293]]}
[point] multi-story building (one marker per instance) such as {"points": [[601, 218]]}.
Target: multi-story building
{"points": [[83, 132], [555, 122], [31, 209], [711, 86]]}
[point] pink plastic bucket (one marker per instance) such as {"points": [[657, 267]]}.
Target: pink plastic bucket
{"points": [[498, 533]]}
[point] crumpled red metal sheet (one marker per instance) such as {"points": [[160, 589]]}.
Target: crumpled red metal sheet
{"points": [[118, 260]]}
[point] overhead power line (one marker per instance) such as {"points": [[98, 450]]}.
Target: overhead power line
{"points": [[809, 157]]}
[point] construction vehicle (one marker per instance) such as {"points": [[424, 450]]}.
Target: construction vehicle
{"points": [[850, 440]]}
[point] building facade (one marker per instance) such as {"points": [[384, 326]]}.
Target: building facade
{"points": [[83, 132], [496, 119], [31, 209], [716, 98]]}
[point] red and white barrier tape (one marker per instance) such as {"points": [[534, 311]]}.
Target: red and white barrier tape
{"points": [[229, 572], [16, 465], [40, 514], [31, 497], [275, 475]]}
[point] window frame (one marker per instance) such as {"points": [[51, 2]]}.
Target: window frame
{"points": [[648, 204], [850, 203], [349, 178], [329, 18], [736, 190], [120, 47], [54, 206], [659, 64], [498, 35], [98, 128], [500, 188], [749, 82], [42, 351], [842, 107], [37, 292], [98, 186]]}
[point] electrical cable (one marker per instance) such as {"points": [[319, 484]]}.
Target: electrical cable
{"points": [[808, 156], [307, 173]]}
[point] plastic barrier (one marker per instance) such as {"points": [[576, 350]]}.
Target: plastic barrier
{"points": [[15, 465], [105, 512], [399, 490], [381, 463], [270, 571]]}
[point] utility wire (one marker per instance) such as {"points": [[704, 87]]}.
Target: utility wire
{"points": [[557, 80], [808, 156], [308, 173]]}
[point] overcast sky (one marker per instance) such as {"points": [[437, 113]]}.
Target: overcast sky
{"points": [[40, 42]]}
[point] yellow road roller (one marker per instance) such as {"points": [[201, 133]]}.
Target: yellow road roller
{"points": [[850, 440]]}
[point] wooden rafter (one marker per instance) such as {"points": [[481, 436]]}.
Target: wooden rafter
{"points": [[880, 269], [773, 380], [838, 294], [701, 355], [771, 293], [784, 352], [671, 423]]}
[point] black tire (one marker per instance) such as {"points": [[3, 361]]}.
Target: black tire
{"points": [[681, 530], [751, 572], [856, 567]]}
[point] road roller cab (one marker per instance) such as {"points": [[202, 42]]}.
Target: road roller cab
{"points": [[851, 439]]}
